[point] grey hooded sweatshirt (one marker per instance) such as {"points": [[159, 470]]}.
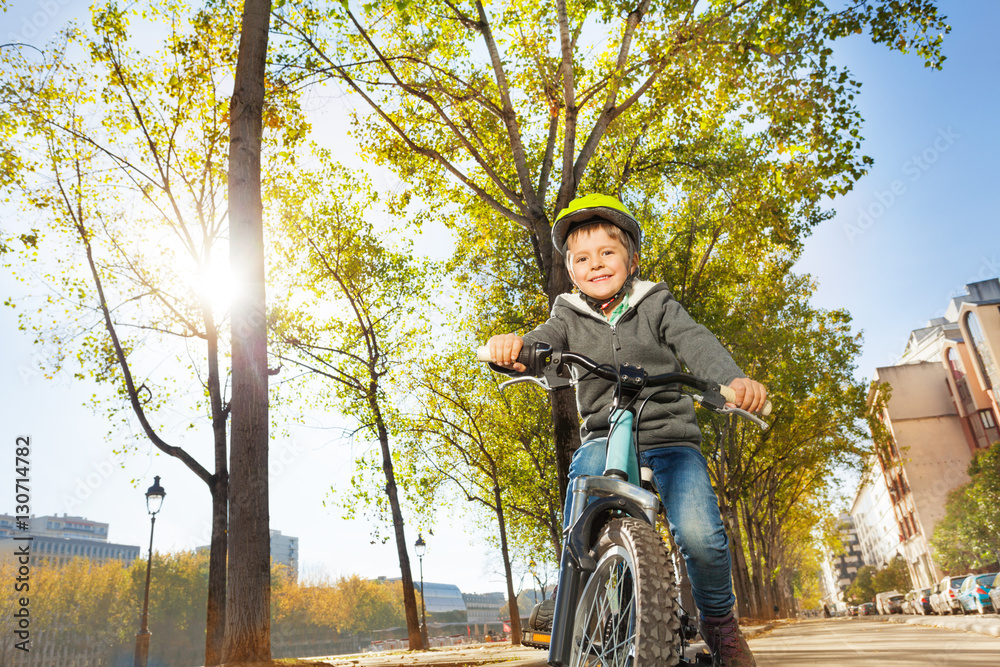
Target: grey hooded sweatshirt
{"points": [[655, 333]]}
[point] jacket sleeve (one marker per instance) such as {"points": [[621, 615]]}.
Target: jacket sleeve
{"points": [[553, 331], [695, 346]]}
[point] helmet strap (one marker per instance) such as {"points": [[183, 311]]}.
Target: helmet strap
{"points": [[600, 304]]}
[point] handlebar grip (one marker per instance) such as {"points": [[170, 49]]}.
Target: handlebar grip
{"points": [[730, 395], [523, 357]]}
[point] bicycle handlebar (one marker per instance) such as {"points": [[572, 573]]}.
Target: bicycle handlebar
{"points": [[536, 356]]}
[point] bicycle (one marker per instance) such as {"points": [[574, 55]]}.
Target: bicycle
{"points": [[617, 603]]}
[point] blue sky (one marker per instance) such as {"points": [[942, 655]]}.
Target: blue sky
{"points": [[924, 222], [908, 238]]}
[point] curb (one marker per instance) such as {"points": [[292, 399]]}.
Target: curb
{"points": [[755, 630], [982, 626]]}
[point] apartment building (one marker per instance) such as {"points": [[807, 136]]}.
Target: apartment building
{"points": [[941, 410], [58, 539], [875, 519], [65, 526], [285, 551], [840, 569]]}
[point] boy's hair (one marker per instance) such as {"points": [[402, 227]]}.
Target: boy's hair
{"points": [[611, 229]]}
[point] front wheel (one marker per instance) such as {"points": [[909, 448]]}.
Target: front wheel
{"points": [[628, 615]]}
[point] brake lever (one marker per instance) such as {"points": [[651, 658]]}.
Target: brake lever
{"points": [[541, 382], [716, 402], [549, 381], [746, 415]]}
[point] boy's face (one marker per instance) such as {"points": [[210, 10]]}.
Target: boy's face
{"points": [[598, 262]]}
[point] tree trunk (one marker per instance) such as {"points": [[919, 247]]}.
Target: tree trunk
{"points": [[248, 614], [741, 578], [409, 597], [566, 433], [515, 613], [215, 618], [215, 624], [752, 565], [565, 418]]}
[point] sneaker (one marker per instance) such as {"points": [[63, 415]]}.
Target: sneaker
{"points": [[725, 641]]}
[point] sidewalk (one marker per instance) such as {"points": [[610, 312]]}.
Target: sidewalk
{"points": [[469, 655], [473, 655]]}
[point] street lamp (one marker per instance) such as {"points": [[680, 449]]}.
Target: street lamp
{"points": [[154, 500], [420, 547]]}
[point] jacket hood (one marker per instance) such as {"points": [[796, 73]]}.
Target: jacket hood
{"points": [[640, 290]]}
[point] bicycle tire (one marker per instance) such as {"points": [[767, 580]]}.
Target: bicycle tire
{"points": [[628, 614]]}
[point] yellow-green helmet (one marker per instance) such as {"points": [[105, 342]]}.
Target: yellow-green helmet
{"points": [[593, 208]]}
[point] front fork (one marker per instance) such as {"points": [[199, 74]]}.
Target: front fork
{"points": [[595, 500]]}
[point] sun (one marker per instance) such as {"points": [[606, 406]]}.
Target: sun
{"points": [[217, 284]]}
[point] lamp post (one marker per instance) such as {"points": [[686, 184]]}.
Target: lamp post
{"points": [[420, 547], [154, 500]]}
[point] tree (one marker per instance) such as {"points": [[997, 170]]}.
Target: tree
{"points": [[895, 576], [861, 589], [345, 605], [509, 110], [968, 537], [495, 449], [774, 487], [248, 616], [124, 157], [358, 347]]}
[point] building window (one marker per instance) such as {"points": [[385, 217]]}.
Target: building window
{"points": [[986, 363], [989, 423]]}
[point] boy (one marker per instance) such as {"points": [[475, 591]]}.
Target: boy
{"points": [[617, 319]]}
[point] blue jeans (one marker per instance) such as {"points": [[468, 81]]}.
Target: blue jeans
{"points": [[681, 475]]}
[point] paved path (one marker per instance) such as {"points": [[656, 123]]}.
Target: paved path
{"points": [[943, 641], [852, 642], [467, 656]]}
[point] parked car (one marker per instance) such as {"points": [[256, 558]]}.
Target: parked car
{"points": [[889, 602], [922, 603], [995, 593], [974, 594], [917, 601], [935, 596], [947, 600], [868, 609]]}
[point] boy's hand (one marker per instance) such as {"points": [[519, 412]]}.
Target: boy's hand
{"points": [[750, 395], [504, 349]]}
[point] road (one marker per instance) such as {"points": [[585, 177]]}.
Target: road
{"points": [[852, 642]]}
